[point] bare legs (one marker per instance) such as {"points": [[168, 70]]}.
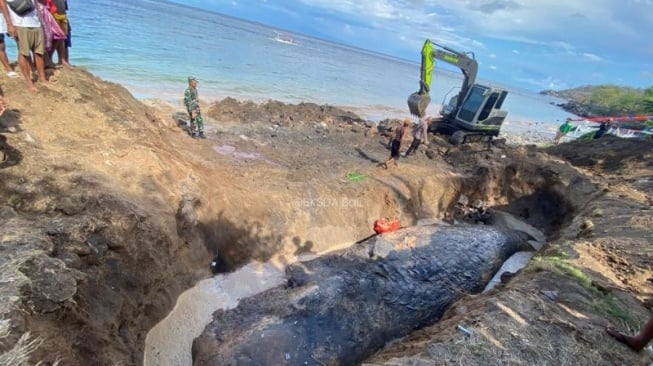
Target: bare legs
{"points": [[24, 64], [4, 60], [40, 68], [385, 165], [637, 342], [62, 52]]}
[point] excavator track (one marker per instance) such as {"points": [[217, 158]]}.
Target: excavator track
{"points": [[458, 138], [463, 137]]}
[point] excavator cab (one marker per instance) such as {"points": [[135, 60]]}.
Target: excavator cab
{"points": [[475, 113], [481, 109]]}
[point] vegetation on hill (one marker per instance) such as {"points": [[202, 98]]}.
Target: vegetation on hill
{"points": [[606, 100]]}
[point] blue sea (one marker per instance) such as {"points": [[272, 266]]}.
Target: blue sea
{"points": [[152, 46]]}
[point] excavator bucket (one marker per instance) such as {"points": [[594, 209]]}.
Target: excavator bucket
{"points": [[419, 100], [417, 103]]}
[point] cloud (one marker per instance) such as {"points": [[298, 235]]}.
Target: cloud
{"points": [[492, 67], [546, 83], [559, 39], [545, 22], [492, 6], [592, 57], [577, 16], [562, 44]]}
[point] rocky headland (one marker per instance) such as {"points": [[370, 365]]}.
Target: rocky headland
{"points": [[604, 100]]}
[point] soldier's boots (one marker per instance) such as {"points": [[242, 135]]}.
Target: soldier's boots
{"points": [[202, 136]]}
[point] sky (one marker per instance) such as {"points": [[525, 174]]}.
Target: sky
{"points": [[530, 44]]}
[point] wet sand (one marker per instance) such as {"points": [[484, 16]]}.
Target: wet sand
{"points": [[170, 341]]}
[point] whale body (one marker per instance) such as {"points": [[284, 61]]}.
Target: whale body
{"points": [[341, 308]]}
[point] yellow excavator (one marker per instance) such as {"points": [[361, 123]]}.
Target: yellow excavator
{"points": [[474, 114]]}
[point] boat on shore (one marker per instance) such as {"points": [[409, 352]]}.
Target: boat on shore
{"points": [[624, 127]]}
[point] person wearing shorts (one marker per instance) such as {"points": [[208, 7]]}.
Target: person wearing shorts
{"points": [[26, 30], [395, 145]]}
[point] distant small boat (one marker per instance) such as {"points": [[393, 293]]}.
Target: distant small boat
{"points": [[281, 38]]}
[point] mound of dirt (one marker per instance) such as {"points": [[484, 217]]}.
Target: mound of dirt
{"points": [[229, 109], [108, 211]]}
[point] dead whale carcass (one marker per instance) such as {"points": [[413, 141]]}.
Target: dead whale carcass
{"points": [[339, 309]]}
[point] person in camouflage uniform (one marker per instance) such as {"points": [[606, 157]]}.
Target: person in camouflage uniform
{"points": [[192, 102]]}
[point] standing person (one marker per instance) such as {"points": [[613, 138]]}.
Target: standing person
{"points": [[3, 54], [52, 32], [602, 130], [60, 44], [395, 145], [192, 102], [26, 30], [419, 135], [69, 42], [563, 130]]}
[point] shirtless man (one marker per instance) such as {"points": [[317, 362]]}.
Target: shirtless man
{"points": [[395, 145]]}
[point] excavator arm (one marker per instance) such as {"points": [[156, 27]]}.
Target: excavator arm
{"points": [[418, 101]]}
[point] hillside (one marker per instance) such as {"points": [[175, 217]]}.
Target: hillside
{"points": [[109, 211], [605, 100]]}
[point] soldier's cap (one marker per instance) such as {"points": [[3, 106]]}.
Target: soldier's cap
{"points": [[191, 78]]}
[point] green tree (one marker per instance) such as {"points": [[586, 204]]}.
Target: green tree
{"points": [[647, 103], [648, 93]]}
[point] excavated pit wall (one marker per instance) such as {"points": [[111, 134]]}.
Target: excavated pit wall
{"points": [[107, 271], [543, 198]]}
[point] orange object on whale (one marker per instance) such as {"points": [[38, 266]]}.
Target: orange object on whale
{"points": [[384, 226]]}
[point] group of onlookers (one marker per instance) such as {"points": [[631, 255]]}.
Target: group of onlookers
{"points": [[39, 28]]}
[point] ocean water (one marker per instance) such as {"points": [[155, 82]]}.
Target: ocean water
{"points": [[152, 46]]}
